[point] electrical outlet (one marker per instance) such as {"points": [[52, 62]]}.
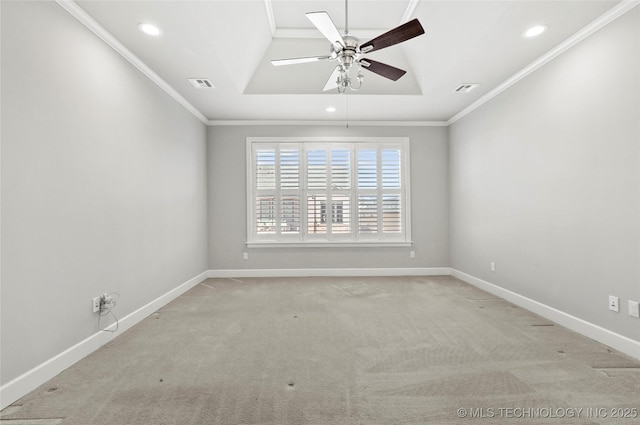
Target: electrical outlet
{"points": [[614, 303], [493, 266], [106, 302], [412, 254], [245, 255], [95, 303], [634, 309]]}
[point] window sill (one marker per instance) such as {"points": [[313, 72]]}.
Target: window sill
{"points": [[314, 244]]}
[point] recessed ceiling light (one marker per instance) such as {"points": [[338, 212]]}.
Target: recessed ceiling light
{"points": [[331, 109], [534, 31], [149, 29]]}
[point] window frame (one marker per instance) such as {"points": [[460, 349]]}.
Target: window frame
{"points": [[352, 239]]}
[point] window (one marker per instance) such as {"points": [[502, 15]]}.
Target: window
{"points": [[328, 191]]}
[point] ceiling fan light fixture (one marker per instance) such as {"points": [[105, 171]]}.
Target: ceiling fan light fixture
{"points": [[150, 29], [535, 31], [344, 80]]}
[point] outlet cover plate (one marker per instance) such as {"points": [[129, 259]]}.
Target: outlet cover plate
{"points": [[614, 303], [95, 304], [634, 309]]}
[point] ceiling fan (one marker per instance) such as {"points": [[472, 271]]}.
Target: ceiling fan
{"points": [[347, 51]]}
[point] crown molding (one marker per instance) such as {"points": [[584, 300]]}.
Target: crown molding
{"points": [[271, 19], [612, 14], [84, 18], [409, 11], [328, 123]]}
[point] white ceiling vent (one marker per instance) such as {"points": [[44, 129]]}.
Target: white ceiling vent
{"points": [[465, 88], [201, 83]]}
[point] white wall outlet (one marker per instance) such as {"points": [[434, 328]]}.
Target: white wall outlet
{"points": [[95, 303], [614, 303], [634, 309], [245, 255], [412, 254], [493, 266]]}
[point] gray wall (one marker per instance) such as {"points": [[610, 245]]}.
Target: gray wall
{"points": [[227, 203], [544, 181], [103, 185]]}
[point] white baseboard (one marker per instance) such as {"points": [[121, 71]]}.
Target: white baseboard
{"points": [[417, 271], [616, 341], [29, 381]]}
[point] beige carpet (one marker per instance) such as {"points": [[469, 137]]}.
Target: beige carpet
{"points": [[387, 350]]}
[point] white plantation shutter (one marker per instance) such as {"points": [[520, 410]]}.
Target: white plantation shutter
{"points": [[289, 168], [391, 214], [289, 177], [265, 168], [340, 169], [290, 214], [390, 168], [367, 168], [340, 214], [316, 169], [391, 191], [341, 192], [265, 214], [317, 191], [316, 215], [277, 190], [265, 171], [367, 214]]}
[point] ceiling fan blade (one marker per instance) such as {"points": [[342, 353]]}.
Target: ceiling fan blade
{"points": [[397, 35], [323, 22], [332, 82], [387, 71], [292, 61]]}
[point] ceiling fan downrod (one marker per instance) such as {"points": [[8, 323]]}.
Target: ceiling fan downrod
{"points": [[348, 56], [346, 17]]}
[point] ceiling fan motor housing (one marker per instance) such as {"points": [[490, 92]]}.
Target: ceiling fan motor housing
{"points": [[350, 52]]}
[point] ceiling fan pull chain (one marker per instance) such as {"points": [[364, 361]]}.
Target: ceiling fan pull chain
{"points": [[347, 110]]}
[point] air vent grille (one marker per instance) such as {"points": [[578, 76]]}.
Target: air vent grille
{"points": [[201, 83], [465, 87]]}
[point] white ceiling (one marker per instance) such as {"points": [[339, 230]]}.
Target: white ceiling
{"points": [[231, 43]]}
